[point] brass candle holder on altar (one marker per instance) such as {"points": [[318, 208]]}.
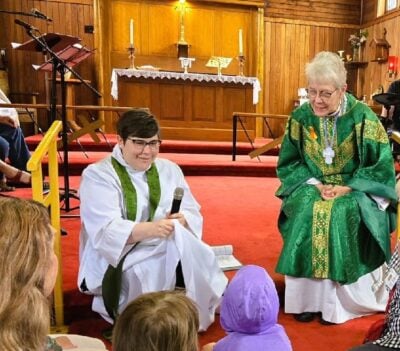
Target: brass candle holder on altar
{"points": [[131, 51], [241, 60]]}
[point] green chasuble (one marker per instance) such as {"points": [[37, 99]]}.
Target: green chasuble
{"points": [[347, 237]]}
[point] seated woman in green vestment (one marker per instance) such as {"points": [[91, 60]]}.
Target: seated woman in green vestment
{"points": [[337, 190]]}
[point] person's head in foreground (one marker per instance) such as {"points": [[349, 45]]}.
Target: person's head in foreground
{"points": [[158, 321], [249, 313], [28, 270], [138, 135], [326, 76]]}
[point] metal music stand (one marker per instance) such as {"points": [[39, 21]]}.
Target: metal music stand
{"points": [[65, 52], [56, 42]]}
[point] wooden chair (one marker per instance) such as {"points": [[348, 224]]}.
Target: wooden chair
{"points": [[25, 114]]}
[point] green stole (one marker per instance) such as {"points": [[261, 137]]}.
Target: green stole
{"points": [[112, 280]]}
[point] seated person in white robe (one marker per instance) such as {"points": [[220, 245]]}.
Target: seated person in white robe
{"points": [[127, 227]]}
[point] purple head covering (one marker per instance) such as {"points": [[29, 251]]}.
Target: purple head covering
{"points": [[249, 314]]}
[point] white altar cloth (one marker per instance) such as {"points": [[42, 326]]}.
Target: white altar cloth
{"points": [[201, 77]]}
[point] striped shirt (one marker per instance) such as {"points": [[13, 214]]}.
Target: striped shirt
{"points": [[391, 334]]}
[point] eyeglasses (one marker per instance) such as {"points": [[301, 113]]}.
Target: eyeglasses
{"points": [[141, 144], [323, 95]]}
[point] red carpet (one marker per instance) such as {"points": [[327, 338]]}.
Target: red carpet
{"points": [[238, 210], [191, 164]]}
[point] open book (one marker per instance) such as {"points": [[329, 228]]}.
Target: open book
{"points": [[225, 258]]}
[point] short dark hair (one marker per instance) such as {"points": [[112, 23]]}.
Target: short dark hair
{"points": [[137, 123]]}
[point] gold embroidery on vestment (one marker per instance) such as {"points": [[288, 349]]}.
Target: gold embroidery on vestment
{"points": [[320, 238], [343, 153], [294, 129], [374, 131]]}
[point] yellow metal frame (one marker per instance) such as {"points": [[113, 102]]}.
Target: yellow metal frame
{"points": [[48, 148]]}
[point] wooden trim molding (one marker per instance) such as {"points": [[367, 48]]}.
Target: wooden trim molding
{"points": [[78, 2], [260, 67], [248, 3], [310, 23], [387, 16]]}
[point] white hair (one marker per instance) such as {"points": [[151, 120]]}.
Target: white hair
{"points": [[327, 68]]}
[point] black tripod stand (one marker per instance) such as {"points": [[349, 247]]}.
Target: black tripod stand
{"points": [[61, 62]]}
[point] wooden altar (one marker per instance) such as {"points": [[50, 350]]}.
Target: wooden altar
{"points": [[189, 106]]}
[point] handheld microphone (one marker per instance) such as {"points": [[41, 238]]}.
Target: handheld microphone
{"points": [[176, 202], [27, 26], [36, 13]]}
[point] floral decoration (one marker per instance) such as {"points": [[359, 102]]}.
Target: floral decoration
{"points": [[359, 38]]}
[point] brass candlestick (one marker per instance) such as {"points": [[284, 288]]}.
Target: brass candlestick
{"points": [[241, 60], [131, 51]]}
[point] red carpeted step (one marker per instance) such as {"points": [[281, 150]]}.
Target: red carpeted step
{"points": [[171, 146], [191, 164]]}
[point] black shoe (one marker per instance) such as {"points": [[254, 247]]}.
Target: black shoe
{"points": [[107, 333], [305, 317], [324, 322]]}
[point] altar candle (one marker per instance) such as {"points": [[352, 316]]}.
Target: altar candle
{"points": [[131, 32], [240, 42]]}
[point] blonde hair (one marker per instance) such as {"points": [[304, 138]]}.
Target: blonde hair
{"points": [[158, 321], [327, 67], [25, 249]]}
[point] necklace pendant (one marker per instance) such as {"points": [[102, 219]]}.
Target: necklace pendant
{"points": [[328, 154]]}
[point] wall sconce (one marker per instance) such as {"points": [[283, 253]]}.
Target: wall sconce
{"points": [[392, 66]]}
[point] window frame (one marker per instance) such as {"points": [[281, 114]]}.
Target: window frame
{"points": [[391, 5]]}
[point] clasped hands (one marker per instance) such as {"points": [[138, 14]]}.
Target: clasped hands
{"points": [[330, 191]]}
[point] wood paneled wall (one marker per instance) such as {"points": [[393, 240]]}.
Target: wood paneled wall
{"points": [[69, 17], [211, 29], [376, 73], [369, 11], [294, 32], [331, 11]]}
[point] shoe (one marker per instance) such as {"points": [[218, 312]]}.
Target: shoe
{"points": [[20, 179], [324, 322], [107, 333], [305, 317], [4, 187]]}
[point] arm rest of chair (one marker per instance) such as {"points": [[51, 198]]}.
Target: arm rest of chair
{"points": [[24, 95]]}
